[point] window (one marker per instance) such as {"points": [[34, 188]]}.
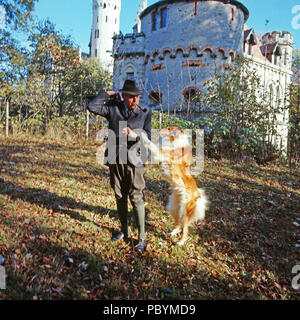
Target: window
{"points": [[285, 58], [155, 97], [163, 17], [96, 53], [157, 67], [130, 75], [97, 33], [154, 21], [129, 72], [193, 63], [190, 93], [106, 19], [250, 49], [196, 8], [271, 95]]}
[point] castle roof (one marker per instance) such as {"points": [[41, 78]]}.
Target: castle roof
{"points": [[165, 2], [249, 36], [270, 48]]}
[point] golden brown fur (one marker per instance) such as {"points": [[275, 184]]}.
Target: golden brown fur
{"points": [[187, 203]]}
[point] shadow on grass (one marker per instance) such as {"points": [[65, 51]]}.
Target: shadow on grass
{"points": [[255, 237], [48, 274]]}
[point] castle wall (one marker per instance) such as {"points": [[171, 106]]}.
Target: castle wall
{"points": [[213, 26], [279, 79], [185, 52], [217, 29], [129, 52]]}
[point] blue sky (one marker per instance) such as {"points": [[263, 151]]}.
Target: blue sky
{"points": [[74, 17]]}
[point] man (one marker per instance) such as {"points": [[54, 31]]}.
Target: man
{"points": [[126, 177]]}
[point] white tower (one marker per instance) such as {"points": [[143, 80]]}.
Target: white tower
{"points": [[143, 6], [106, 24]]}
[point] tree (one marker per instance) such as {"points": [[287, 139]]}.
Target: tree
{"points": [[296, 58], [18, 12], [238, 116], [294, 110], [69, 80], [12, 56]]}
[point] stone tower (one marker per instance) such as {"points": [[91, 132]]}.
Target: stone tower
{"points": [[106, 24], [177, 47], [143, 6]]}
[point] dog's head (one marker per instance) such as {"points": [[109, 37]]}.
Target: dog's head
{"points": [[175, 142]]}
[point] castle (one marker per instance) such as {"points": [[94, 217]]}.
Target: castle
{"points": [[176, 45]]}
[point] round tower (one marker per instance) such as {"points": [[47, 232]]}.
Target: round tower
{"points": [[106, 24], [185, 40]]}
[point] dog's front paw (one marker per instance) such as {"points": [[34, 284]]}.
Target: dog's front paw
{"points": [[174, 232], [182, 242]]}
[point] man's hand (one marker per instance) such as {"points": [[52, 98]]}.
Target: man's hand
{"points": [[130, 133], [114, 94]]}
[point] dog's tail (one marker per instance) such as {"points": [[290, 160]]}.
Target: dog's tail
{"points": [[201, 206]]}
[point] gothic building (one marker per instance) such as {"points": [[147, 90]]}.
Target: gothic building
{"points": [[176, 45]]}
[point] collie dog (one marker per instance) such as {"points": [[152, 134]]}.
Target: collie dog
{"points": [[187, 203]]}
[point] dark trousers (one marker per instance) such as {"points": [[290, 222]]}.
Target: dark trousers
{"points": [[128, 181]]}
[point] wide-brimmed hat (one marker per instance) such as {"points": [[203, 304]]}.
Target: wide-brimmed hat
{"points": [[131, 88]]}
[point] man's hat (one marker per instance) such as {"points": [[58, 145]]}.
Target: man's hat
{"points": [[130, 88]]}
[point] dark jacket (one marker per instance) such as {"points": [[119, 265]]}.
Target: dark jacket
{"points": [[114, 112]]}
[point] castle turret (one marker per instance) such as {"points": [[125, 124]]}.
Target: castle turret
{"points": [[143, 6], [285, 41], [106, 24], [184, 41]]}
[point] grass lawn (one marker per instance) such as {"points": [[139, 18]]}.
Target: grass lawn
{"points": [[57, 215]]}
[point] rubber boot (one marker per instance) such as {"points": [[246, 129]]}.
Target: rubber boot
{"points": [[122, 207], [139, 212]]}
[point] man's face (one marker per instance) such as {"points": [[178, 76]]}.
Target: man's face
{"points": [[131, 101]]}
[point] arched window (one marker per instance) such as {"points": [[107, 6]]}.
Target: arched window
{"points": [[129, 72], [155, 97], [190, 93], [271, 97], [196, 8], [278, 96], [154, 20], [285, 58], [163, 17]]}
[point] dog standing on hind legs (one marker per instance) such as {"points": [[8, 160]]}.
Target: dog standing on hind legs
{"points": [[187, 203]]}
